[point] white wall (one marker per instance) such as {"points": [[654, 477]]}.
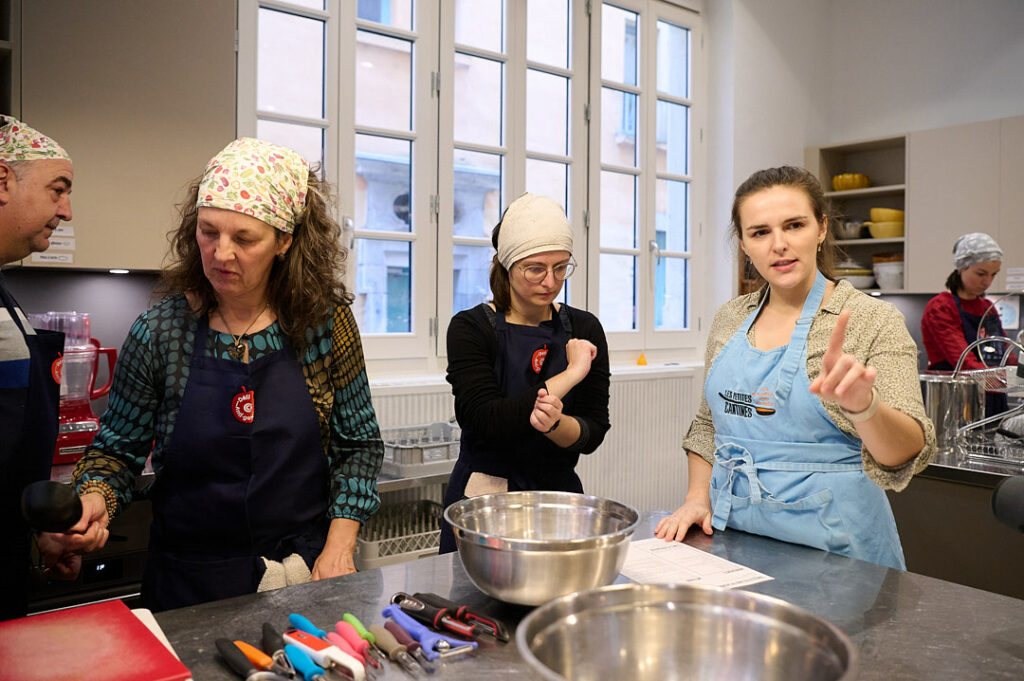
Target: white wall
{"points": [[768, 62], [903, 65], [787, 74]]}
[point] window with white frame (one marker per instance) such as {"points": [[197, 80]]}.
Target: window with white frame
{"points": [[432, 115]]}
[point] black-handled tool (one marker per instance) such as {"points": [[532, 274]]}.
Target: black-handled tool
{"points": [[240, 664], [438, 618], [49, 506], [273, 645], [491, 625]]}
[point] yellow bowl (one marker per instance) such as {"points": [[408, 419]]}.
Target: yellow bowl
{"points": [[886, 215], [846, 181], [889, 229]]}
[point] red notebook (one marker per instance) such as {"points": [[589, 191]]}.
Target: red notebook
{"points": [[101, 641]]}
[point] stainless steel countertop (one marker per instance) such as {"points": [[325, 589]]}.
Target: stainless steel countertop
{"points": [[907, 627]]}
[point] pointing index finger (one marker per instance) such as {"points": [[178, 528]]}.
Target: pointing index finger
{"points": [[835, 344]]}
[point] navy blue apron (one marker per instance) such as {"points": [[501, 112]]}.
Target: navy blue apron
{"points": [[526, 356], [28, 415], [995, 403], [244, 476]]}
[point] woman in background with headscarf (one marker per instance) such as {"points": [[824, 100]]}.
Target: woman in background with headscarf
{"points": [[530, 376], [951, 319], [248, 383]]}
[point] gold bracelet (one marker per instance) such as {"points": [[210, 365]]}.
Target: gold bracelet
{"points": [[864, 415], [104, 490]]}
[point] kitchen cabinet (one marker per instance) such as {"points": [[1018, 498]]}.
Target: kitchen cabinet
{"points": [[952, 188], [141, 94], [10, 57], [884, 161], [1011, 199]]}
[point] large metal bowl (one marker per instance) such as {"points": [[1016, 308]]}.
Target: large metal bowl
{"points": [[648, 631], [529, 547]]}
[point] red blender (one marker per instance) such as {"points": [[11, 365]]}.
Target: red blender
{"points": [[76, 371]]}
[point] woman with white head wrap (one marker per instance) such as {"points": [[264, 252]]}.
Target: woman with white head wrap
{"points": [[529, 375], [951, 319]]}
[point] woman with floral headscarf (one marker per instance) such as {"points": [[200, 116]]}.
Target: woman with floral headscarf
{"points": [[248, 383], [951, 319]]}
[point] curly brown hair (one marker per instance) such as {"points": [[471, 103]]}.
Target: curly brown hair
{"points": [[305, 286], [797, 178]]}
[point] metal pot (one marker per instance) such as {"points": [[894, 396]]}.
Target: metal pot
{"points": [[648, 632], [951, 403]]}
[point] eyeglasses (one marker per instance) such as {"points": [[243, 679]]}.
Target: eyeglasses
{"points": [[535, 274]]}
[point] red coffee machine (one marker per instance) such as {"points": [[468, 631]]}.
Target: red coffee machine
{"points": [[75, 370]]}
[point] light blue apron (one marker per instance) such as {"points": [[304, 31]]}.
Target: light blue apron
{"points": [[782, 468]]}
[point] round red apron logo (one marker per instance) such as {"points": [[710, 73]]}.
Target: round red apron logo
{"points": [[57, 369], [537, 361], [243, 406]]}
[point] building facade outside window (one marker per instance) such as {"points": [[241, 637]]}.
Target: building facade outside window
{"points": [[432, 115]]}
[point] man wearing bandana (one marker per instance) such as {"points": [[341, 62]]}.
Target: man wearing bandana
{"points": [[35, 188]]}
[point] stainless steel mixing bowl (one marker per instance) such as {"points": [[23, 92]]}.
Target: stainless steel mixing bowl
{"points": [[529, 547], [649, 631]]}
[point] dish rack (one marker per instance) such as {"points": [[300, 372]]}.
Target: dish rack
{"points": [[983, 442], [398, 533], [412, 451], [998, 379]]}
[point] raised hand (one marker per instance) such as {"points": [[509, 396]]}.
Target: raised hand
{"points": [[843, 379]]}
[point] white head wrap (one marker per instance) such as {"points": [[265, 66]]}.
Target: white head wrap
{"points": [[532, 224], [973, 248]]}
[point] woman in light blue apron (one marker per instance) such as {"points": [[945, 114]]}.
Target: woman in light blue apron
{"points": [[810, 386]]}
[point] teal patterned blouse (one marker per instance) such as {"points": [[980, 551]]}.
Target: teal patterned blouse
{"points": [[149, 384]]}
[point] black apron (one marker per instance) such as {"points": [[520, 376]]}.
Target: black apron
{"points": [[526, 355], [995, 403], [244, 476], [29, 417]]}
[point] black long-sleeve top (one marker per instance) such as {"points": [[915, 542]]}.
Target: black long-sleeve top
{"points": [[501, 423]]}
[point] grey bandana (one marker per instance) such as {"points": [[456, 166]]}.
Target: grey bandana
{"points": [[970, 249]]}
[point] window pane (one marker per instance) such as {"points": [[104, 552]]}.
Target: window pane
{"points": [[549, 179], [618, 127], [396, 13], [670, 294], [671, 218], [383, 183], [383, 286], [383, 81], [312, 4], [618, 292], [673, 59], [478, 99], [471, 276], [478, 23], [477, 193], [305, 139], [673, 136], [547, 109], [618, 210], [619, 45], [285, 41], [547, 32]]}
